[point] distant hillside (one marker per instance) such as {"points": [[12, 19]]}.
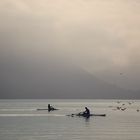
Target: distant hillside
{"points": [[56, 80]]}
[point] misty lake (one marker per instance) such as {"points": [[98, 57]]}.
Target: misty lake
{"points": [[20, 120]]}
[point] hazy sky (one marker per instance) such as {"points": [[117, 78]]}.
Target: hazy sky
{"points": [[101, 37]]}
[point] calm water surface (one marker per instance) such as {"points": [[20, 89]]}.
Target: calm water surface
{"points": [[19, 120]]}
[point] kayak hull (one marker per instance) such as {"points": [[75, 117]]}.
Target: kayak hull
{"points": [[91, 115], [40, 109]]}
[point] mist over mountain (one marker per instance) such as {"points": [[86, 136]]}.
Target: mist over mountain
{"points": [[58, 79], [69, 49]]}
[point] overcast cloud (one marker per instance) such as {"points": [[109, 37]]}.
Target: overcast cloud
{"points": [[100, 37]]}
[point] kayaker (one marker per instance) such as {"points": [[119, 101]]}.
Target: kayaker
{"points": [[86, 112], [50, 107]]}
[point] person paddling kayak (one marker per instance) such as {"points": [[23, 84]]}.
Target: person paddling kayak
{"points": [[86, 113], [50, 108]]}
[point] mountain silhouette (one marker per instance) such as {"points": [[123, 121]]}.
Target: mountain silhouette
{"points": [[56, 80]]}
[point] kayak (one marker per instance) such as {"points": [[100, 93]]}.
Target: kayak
{"points": [[83, 115], [40, 109]]}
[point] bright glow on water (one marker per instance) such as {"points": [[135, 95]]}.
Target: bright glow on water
{"points": [[19, 120]]}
